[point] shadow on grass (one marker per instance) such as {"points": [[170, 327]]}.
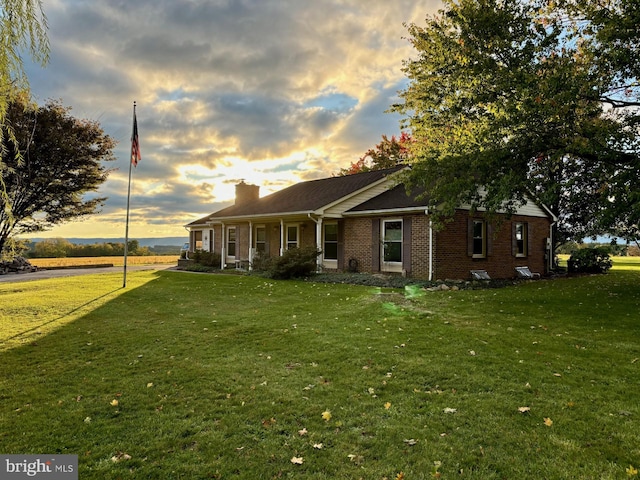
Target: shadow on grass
{"points": [[54, 320]]}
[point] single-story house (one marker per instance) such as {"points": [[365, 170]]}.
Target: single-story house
{"points": [[368, 223]]}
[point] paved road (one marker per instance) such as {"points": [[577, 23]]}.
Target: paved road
{"points": [[72, 272]]}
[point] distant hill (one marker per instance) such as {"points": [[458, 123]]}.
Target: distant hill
{"points": [[143, 242]]}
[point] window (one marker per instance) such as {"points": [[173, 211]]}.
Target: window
{"points": [[197, 240], [521, 235], [231, 242], [479, 239], [292, 236], [392, 241], [261, 239], [330, 247]]}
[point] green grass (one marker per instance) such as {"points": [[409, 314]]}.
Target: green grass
{"points": [[216, 376]]}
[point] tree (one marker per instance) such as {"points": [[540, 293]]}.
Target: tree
{"points": [[52, 162], [386, 154], [24, 27], [510, 99]]}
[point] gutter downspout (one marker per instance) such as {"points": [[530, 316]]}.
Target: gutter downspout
{"points": [[250, 244], [320, 258], [223, 251], [550, 247], [186, 254], [426, 212]]}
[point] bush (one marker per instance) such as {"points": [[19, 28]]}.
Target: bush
{"points": [[207, 259], [590, 260], [294, 263]]}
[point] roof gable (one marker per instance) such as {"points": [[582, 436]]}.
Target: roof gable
{"points": [[395, 198]]}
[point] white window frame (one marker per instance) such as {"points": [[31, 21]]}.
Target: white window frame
{"points": [[197, 243], [392, 266], [482, 238], [231, 258], [289, 244], [329, 262], [522, 242], [256, 242]]}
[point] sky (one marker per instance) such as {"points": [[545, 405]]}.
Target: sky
{"points": [[272, 92]]}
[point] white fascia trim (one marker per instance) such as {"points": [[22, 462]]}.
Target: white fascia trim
{"points": [[391, 211], [264, 216]]}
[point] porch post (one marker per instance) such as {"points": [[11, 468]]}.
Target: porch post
{"points": [[282, 237], [320, 258]]}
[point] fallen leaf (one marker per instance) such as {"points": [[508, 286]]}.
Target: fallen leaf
{"points": [[631, 471], [149, 385], [524, 409], [557, 374], [400, 476], [87, 420], [357, 459], [450, 410], [318, 446], [548, 422], [118, 457], [326, 415], [114, 403], [302, 432], [297, 460], [387, 405], [411, 442]]}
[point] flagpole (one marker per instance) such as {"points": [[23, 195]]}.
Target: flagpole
{"points": [[126, 232]]}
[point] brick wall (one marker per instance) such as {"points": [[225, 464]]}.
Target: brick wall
{"points": [[357, 243], [453, 261]]}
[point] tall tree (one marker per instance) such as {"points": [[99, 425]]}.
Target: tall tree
{"points": [[52, 161], [508, 99], [386, 154]]}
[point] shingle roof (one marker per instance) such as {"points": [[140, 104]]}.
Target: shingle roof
{"points": [[394, 198], [306, 196]]}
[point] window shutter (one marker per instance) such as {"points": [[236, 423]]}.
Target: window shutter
{"points": [[514, 241], [340, 244], [375, 244], [267, 236], [529, 238], [406, 244], [470, 237], [489, 239]]}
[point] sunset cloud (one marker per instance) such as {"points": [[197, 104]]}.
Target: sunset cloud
{"points": [[269, 91]]}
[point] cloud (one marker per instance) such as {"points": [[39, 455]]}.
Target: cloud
{"points": [[270, 91]]}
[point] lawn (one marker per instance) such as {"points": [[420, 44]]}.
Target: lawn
{"points": [[196, 376]]}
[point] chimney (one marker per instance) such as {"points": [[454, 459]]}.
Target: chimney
{"points": [[246, 193]]}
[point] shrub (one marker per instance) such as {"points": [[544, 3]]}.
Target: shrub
{"points": [[207, 259], [260, 262], [590, 260], [294, 263]]}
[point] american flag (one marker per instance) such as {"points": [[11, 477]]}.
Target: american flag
{"points": [[135, 144]]}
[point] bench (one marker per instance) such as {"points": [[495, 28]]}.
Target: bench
{"points": [[242, 265], [480, 275], [524, 272]]}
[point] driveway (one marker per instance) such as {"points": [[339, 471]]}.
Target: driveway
{"points": [[73, 272]]}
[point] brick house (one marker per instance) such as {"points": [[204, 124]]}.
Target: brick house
{"points": [[368, 223]]}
